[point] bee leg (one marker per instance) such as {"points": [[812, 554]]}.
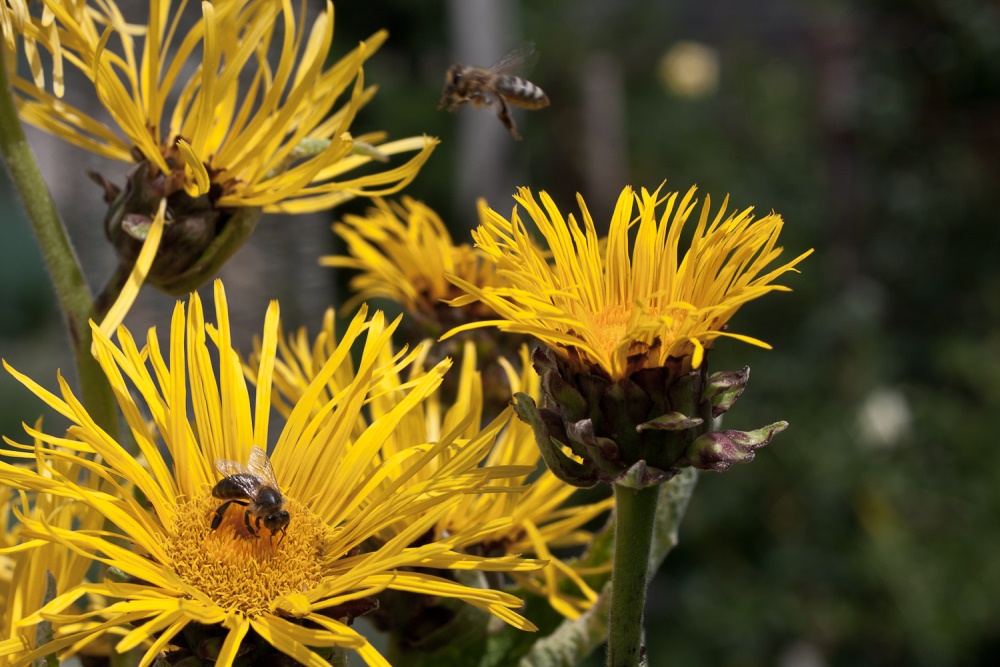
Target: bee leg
{"points": [[503, 113], [221, 512], [284, 532], [246, 522]]}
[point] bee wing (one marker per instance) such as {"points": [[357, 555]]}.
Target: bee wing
{"points": [[260, 466], [227, 468], [247, 483], [515, 59]]}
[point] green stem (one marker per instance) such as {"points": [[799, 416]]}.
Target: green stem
{"points": [[338, 657], [74, 296], [635, 512], [394, 654]]}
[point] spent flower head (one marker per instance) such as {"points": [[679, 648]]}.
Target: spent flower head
{"points": [[183, 580]]}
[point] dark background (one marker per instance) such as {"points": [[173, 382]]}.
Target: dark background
{"points": [[869, 532]]}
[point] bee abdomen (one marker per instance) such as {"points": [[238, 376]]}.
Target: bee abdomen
{"points": [[234, 486], [521, 92]]}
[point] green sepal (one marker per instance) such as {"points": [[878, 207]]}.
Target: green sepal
{"points": [[719, 450], [603, 452], [672, 421], [572, 405], [723, 389], [548, 436], [237, 228], [137, 226], [640, 476]]}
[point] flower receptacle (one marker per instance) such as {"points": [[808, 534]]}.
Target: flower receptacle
{"points": [[198, 238], [638, 431]]}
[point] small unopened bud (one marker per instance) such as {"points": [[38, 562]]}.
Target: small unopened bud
{"points": [[719, 450], [723, 389]]}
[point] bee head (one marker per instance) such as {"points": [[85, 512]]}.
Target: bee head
{"points": [[452, 94], [276, 521]]}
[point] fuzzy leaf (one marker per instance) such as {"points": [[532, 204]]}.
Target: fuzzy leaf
{"points": [[670, 509], [572, 641]]}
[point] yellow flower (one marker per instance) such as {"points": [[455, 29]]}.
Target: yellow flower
{"points": [[265, 140], [217, 134], [529, 513], [403, 251], [26, 566], [617, 310], [292, 587]]}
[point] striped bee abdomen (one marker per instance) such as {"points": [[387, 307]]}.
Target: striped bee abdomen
{"points": [[521, 92]]}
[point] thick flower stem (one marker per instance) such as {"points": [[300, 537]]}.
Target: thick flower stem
{"points": [[74, 296], [635, 512]]}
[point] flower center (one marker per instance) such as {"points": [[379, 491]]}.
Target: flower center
{"points": [[239, 571], [610, 325]]}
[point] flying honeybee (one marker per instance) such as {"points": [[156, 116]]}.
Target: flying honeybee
{"points": [[493, 87], [252, 486]]}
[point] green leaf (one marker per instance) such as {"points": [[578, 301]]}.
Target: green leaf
{"points": [[572, 641], [670, 509]]}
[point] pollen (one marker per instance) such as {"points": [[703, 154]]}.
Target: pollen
{"points": [[243, 572]]}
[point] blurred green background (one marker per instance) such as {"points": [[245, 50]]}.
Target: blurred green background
{"points": [[869, 532]]}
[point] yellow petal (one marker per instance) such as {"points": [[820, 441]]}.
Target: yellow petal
{"points": [[130, 290]]}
